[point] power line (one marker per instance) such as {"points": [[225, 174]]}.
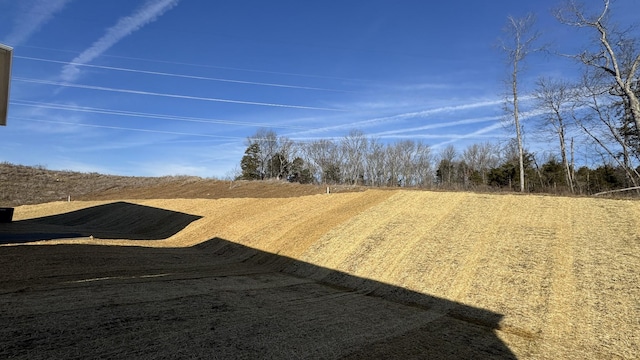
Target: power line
{"points": [[86, 109], [206, 66], [175, 96], [128, 129], [185, 76]]}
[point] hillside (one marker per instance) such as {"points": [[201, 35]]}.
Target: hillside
{"points": [[560, 272], [24, 185]]}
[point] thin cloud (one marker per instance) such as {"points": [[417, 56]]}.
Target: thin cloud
{"points": [[475, 134], [127, 25], [399, 117], [438, 126], [35, 14]]}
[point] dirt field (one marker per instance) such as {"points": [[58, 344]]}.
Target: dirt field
{"points": [[373, 274]]}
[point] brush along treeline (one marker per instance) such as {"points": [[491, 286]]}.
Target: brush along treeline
{"points": [[357, 159]]}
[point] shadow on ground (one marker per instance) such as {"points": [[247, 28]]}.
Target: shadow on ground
{"points": [[118, 220], [218, 299]]}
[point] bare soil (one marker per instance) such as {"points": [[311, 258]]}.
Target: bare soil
{"points": [[365, 274], [216, 301], [25, 185]]}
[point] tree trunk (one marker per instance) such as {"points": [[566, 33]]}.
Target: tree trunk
{"points": [[516, 118], [565, 160]]}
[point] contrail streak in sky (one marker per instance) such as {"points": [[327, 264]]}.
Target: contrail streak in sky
{"points": [[125, 26]]}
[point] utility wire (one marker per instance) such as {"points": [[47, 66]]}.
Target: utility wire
{"points": [[54, 106], [175, 96], [128, 129], [183, 75]]}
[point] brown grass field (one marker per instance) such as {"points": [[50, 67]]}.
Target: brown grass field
{"points": [[367, 274]]}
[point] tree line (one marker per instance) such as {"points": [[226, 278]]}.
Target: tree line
{"points": [[599, 111], [357, 159]]}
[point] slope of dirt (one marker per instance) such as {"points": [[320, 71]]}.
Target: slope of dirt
{"points": [[560, 274], [212, 301], [24, 185]]}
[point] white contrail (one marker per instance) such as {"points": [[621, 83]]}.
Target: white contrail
{"points": [[403, 116], [474, 134], [438, 125], [146, 14], [34, 15]]}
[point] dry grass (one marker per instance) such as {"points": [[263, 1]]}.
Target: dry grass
{"points": [[25, 185], [22, 185], [562, 271]]}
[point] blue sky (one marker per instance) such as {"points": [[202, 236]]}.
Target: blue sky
{"points": [[165, 87]]}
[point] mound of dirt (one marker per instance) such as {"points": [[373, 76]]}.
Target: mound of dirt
{"points": [[24, 185], [117, 220], [215, 300], [551, 277]]}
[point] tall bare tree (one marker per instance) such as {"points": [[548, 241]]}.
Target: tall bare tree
{"points": [[480, 158], [325, 157], [597, 118], [555, 98], [375, 161], [447, 165], [520, 41], [267, 142], [615, 58], [354, 147], [423, 167]]}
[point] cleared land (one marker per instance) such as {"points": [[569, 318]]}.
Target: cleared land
{"points": [[359, 275]]}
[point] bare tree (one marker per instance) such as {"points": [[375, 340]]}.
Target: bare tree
{"points": [[392, 168], [480, 159], [521, 40], [423, 165], [446, 166], [597, 118], [280, 162], [555, 98], [406, 151], [615, 59], [354, 147], [324, 155], [267, 141], [488, 158], [375, 161]]}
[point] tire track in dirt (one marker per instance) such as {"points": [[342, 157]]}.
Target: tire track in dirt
{"points": [[607, 279], [286, 226], [480, 240], [367, 244], [322, 219], [513, 276], [559, 323]]}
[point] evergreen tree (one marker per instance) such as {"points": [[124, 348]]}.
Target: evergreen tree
{"points": [[250, 163]]}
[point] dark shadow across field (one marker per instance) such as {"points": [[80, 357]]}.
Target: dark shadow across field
{"points": [[118, 220], [221, 300]]}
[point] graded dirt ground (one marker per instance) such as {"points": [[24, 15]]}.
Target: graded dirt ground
{"points": [[369, 274]]}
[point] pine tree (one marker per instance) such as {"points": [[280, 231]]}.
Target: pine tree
{"points": [[250, 163]]}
